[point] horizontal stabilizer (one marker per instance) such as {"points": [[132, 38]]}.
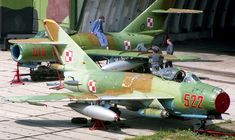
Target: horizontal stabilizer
{"points": [[177, 11], [153, 32], [35, 41]]}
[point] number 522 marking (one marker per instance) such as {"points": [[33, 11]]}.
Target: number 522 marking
{"points": [[193, 100]]}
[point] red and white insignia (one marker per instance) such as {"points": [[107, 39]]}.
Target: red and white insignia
{"points": [[69, 56], [92, 86], [150, 22], [127, 45]]}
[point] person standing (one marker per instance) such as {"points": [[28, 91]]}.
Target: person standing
{"points": [[156, 60], [169, 51], [97, 29]]}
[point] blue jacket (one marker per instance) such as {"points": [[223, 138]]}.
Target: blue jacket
{"points": [[97, 26], [97, 29]]}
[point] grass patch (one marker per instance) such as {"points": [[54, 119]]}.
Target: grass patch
{"points": [[176, 134]]}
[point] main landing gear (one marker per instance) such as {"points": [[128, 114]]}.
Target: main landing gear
{"points": [[96, 124], [116, 110], [199, 126], [202, 125]]}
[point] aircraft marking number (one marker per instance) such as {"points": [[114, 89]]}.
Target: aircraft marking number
{"points": [[38, 52], [193, 100]]}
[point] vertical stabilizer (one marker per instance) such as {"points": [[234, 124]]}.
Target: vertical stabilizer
{"points": [[70, 55], [148, 20]]}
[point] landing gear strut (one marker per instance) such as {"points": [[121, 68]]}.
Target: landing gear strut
{"points": [[97, 125], [116, 110], [199, 126], [203, 125]]}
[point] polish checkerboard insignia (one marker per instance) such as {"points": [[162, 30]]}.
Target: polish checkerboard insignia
{"points": [[69, 56], [127, 45], [150, 22], [92, 86]]}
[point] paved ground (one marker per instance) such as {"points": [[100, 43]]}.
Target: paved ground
{"points": [[23, 121]]}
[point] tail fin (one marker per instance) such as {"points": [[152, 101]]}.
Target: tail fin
{"points": [[151, 21], [70, 55], [148, 20]]}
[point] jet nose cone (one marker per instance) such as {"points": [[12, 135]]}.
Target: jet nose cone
{"points": [[222, 102]]}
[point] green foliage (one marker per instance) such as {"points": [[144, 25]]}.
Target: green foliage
{"points": [[176, 134]]}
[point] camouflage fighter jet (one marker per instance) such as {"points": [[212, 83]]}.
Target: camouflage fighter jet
{"points": [[174, 93], [121, 44]]}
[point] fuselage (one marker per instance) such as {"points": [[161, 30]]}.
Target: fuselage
{"points": [[43, 52], [116, 41], [184, 99]]}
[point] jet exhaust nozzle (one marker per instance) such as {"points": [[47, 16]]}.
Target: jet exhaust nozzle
{"points": [[16, 51]]}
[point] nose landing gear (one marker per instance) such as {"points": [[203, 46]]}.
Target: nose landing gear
{"points": [[202, 129]]}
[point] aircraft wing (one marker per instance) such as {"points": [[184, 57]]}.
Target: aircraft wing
{"points": [[77, 97], [135, 98], [116, 53], [181, 57], [51, 97], [137, 54]]}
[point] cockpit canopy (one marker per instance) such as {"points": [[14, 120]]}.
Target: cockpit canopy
{"points": [[178, 75]]}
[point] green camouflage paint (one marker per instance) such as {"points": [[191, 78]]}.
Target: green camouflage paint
{"points": [[151, 95]]}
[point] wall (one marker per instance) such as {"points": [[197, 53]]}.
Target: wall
{"points": [[26, 16], [15, 17], [118, 13]]}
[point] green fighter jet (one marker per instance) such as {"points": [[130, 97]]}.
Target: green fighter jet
{"points": [[122, 44], [173, 93]]}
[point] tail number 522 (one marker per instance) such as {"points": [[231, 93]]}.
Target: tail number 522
{"points": [[193, 100]]}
